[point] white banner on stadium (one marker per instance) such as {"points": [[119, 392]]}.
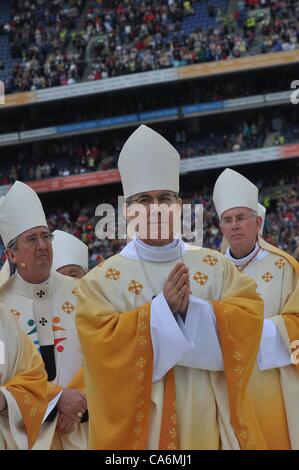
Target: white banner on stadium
{"points": [[230, 159], [12, 137], [245, 101], [284, 96], [45, 131], [108, 84]]}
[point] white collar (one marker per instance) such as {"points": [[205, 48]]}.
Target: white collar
{"points": [[31, 283], [241, 261], [159, 254], [17, 284]]}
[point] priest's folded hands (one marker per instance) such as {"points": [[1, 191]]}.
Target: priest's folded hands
{"points": [[177, 289]]}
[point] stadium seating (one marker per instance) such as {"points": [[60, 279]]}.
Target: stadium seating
{"points": [[66, 42]]}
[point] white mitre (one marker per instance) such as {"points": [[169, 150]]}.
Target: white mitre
{"points": [[68, 249], [148, 162], [20, 210], [234, 190]]}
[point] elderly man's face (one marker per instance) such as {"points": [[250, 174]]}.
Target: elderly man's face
{"points": [[240, 226], [72, 270], [157, 213], [33, 254]]}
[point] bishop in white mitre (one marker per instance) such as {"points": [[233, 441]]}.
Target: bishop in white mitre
{"points": [[174, 329], [43, 304], [70, 255], [274, 387]]}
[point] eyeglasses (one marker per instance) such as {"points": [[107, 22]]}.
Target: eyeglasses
{"points": [[239, 219], [146, 201], [46, 237]]}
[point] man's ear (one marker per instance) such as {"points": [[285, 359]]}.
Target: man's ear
{"points": [[180, 202], [11, 255], [259, 223]]}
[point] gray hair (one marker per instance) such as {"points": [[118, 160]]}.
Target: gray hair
{"points": [[12, 245]]}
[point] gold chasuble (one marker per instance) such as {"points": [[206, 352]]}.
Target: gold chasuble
{"points": [[189, 408], [45, 312], [23, 381], [275, 392], [274, 384]]}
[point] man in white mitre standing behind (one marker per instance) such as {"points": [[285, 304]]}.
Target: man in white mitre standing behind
{"points": [[274, 385], [70, 255]]}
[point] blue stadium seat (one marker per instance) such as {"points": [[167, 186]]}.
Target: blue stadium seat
{"points": [[201, 18]]}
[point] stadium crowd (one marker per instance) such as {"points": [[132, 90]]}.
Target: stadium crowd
{"points": [[41, 33], [64, 42]]}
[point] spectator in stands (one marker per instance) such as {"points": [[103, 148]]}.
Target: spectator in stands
{"points": [[188, 10], [279, 139]]}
